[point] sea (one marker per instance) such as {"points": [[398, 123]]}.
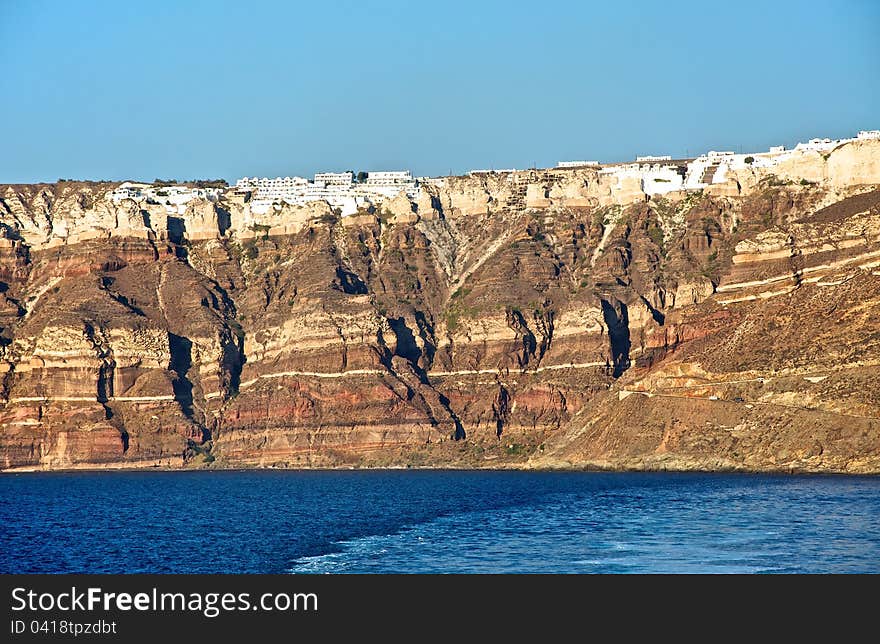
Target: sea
{"points": [[421, 521]]}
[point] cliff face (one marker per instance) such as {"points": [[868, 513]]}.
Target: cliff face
{"points": [[540, 318]]}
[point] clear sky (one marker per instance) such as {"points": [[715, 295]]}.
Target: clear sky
{"points": [[135, 89]]}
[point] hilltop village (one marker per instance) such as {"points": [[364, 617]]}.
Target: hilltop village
{"points": [[349, 195]]}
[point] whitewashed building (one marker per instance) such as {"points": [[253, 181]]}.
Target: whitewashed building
{"points": [[126, 191], [393, 178], [334, 178], [338, 189], [658, 180], [173, 197], [818, 145], [387, 185]]}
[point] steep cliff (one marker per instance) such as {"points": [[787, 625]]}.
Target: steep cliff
{"points": [[548, 318]]}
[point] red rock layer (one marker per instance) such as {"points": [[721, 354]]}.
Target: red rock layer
{"points": [[691, 333]]}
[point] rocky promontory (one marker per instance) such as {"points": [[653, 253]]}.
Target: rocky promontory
{"points": [[539, 318]]}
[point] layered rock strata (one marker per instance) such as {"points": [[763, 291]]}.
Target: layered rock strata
{"points": [[556, 318]]}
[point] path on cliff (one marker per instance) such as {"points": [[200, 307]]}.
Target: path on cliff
{"points": [[715, 399], [311, 374], [438, 374], [86, 399], [793, 373]]}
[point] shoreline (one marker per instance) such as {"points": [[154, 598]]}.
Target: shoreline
{"points": [[586, 468]]}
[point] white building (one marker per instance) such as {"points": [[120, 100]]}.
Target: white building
{"points": [[338, 189], [173, 197], [386, 185], [660, 180], [818, 145], [334, 178], [654, 178], [649, 158], [394, 178], [126, 191], [868, 134], [278, 183]]}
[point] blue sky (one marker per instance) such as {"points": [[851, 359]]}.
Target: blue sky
{"points": [[141, 90]]}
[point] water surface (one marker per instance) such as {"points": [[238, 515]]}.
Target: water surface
{"points": [[436, 521]]}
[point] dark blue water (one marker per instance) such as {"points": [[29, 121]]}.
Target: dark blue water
{"points": [[276, 522]]}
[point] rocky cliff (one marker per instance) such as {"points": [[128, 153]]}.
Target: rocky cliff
{"points": [[550, 318]]}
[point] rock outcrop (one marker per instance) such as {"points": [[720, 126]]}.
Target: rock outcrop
{"points": [[556, 318]]}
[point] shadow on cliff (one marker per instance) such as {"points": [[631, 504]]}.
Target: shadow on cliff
{"points": [[408, 349], [616, 318], [349, 282], [181, 362], [177, 236]]}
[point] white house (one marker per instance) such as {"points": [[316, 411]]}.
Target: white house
{"points": [[386, 185], [173, 197], [817, 145], [126, 191], [658, 180], [334, 178], [393, 178]]}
